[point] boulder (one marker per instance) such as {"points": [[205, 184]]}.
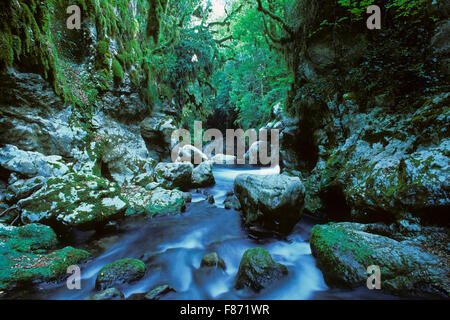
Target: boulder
{"points": [[158, 292], [82, 201], [212, 260], [26, 256], [174, 175], [121, 271], [108, 294], [232, 202], [191, 154], [344, 251], [31, 164], [158, 201], [258, 271], [272, 202], [223, 159], [202, 175]]}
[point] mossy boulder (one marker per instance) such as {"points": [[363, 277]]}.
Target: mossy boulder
{"points": [[108, 294], [158, 201], [258, 270], [344, 251], [212, 260], [82, 201], [174, 175], [272, 202], [121, 271], [26, 256], [158, 292]]}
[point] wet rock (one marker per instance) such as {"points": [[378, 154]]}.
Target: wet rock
{"points": [[258, 271], [26, 256], [273, 202], [174, 175], [210, 199], [121, 271], [31, 164], [82, 201], [232, 202], [158, 292], [202, 175], [213, 260], [108, 294], [343, 252]]}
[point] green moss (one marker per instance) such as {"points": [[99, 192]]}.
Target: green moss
{"points": [[117, 71]]}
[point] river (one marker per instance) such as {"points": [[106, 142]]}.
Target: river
{"points": [[172, 248]]}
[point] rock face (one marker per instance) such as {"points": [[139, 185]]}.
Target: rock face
{"points": [[213, 260], [202, 175], [157, 133], [345, 250], [108, 294], [157, 201], [257, 270], [273, 202], [30, 164], [23, 188], [26, 256], [81, 201], [174, 175], [121, 271], [32, 116]]}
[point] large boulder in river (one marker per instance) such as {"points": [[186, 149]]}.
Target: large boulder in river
{"points": [[174, 175], [212, 260], [202, 175], [26, 256], [257, 270], [344, 251], [31, 164], [272, 202], [121, 271], [157, 201], [82, 201]]}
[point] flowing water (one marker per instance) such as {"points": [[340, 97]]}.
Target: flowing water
{"points": [[172, 248]]}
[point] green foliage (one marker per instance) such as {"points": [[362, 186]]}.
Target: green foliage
{"points": [[117, 71]]}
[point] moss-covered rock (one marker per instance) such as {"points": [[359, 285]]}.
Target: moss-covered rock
{"points": [[158, 292], [212, 260], [121, 271], [174, 175], [26, 256], [157, 201], [74, 200], [257, 270], [108, 294], [344, 251]]}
